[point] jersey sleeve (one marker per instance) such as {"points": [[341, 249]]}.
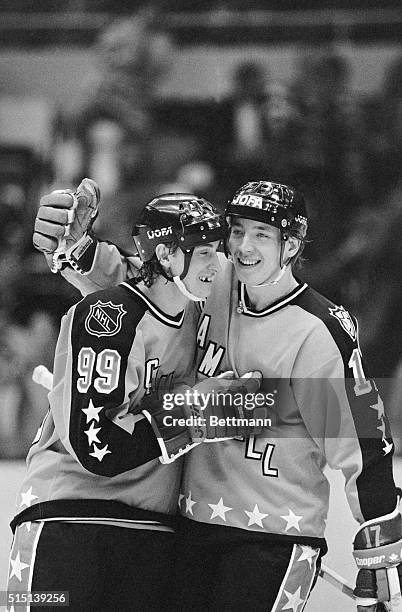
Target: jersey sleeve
{"points": [[102, 266], [98, 382], [344, 413]]}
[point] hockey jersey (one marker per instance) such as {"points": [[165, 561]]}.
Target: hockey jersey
{"points": [[101, 266], [95, 457], [323, 409]]}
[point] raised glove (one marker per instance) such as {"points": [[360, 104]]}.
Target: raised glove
{"points": [[63, 221]]}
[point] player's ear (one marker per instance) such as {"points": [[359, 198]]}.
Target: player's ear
{"points": [[162, 253], [292, 246]]}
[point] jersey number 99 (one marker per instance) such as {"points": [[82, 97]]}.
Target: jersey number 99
{"points": [[106, 364]]}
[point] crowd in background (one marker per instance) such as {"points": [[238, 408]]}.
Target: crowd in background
{"points": [[342, 149]]}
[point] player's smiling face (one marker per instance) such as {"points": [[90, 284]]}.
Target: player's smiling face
{"points": [[255, 248], [203, 268]]}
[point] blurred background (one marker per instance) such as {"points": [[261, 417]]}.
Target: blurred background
{"points": [[200, 96]]}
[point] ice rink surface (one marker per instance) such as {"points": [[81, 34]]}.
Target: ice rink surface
{"points": [[340, 531]]}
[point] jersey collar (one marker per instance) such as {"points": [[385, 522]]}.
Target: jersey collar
{"points": [[163, 317], [283, 301]]}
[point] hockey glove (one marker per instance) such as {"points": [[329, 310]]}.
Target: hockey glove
{"points": [[212, 411], [378, 555], [63, 222]]}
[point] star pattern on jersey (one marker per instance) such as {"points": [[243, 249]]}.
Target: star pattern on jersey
{"points": [[294, 600], [99, 453], [219, 510], [17, 566], [189, 504], [92, 434], [27, 498], [92, 413], [379, 406], [393, 558], [382, 429], [255, 517], [292, 520], [308, 554], [250, 517]]}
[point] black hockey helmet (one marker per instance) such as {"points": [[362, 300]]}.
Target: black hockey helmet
{"points": [[272, 203], [183, 219]]}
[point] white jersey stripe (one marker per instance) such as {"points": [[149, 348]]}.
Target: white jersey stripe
{"points": [[272, 308], [127, 523], [162, 316], [314, 568], [286, 576], [31, 569]]}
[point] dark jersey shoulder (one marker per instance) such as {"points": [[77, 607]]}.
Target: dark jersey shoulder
{"points": [[340, 323], [105, 312]]}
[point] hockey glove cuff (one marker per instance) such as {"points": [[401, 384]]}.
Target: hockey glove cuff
{"points": [[378, 555]]}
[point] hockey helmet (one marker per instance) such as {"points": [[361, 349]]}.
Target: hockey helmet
{"points": [[180, 218], [272, 203]]}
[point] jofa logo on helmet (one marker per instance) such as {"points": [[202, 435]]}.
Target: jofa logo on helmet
{"points": [[345, 320], [104, 319], [158, 233], [248, 200]]}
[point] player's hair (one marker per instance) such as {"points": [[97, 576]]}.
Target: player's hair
{"points": [[298, 260], [152, 269]]}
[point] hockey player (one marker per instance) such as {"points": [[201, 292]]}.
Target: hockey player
{"points": [[255, 509], [95, 512]]}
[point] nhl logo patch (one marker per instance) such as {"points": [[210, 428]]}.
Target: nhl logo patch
{"points": [[104, 319], [345, 320]]}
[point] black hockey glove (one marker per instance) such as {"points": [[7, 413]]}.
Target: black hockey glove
{"points": [[378, 555]]}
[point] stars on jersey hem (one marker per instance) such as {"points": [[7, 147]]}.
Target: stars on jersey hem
{"points": [[173, 321], [189, 504], [255, 516], [219, 510], [292, 520]]}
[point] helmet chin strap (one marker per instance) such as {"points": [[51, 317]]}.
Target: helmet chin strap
{"points": [[179, 280], [182, 287], [273, 282]]}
